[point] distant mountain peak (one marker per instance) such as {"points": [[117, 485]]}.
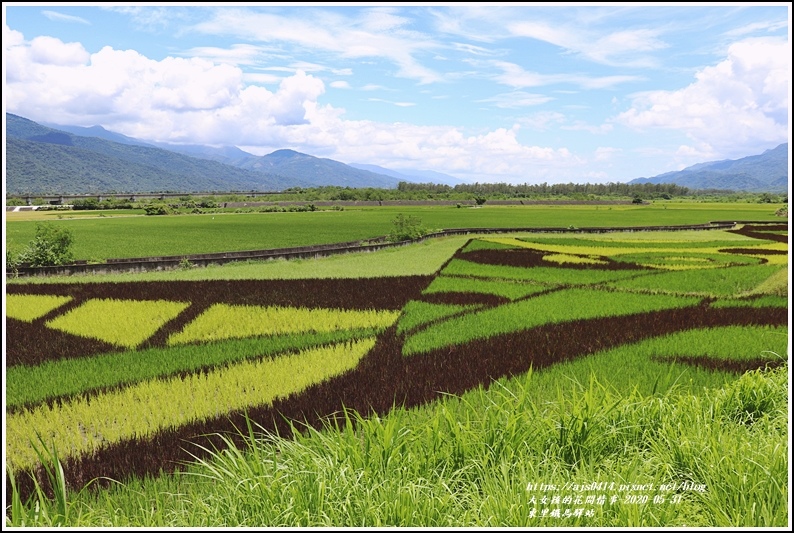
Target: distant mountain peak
{"points": [[108, 161], [285, 152], [766, 172]]}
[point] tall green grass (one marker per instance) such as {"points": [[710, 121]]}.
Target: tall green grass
{"points": [[481, 461]]}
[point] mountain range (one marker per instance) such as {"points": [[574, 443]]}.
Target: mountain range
{"points": [[60, 159], [42, 159], [766, 172]]}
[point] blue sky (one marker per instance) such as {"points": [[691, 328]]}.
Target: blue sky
{"points": [[519, 93]]}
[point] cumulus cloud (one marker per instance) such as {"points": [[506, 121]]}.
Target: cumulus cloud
{"points": [[52, 51], [194, 100], [742, 101], [288, 104], [172, 99]]}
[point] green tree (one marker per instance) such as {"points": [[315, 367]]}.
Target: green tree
{"points": [[406, 228], [52, 246]]}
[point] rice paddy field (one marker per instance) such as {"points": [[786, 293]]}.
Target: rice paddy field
{"points": [[523, 380], [121, 235]]}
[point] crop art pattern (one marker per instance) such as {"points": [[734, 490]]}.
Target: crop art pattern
{"points": [[136, 378]]}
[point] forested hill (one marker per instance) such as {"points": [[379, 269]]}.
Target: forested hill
{"points": [[766, 172], [42, 160], [319, 171]]}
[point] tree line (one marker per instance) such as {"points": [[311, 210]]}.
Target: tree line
{"points": [[649, 190]]}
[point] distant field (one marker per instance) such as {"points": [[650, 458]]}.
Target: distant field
{"points": [[118, 235]]}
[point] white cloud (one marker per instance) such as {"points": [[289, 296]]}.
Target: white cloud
{"points": [[305, 66], [517, 99], [23, 60], [768, 26], [515, 76], [52, 51], [620, 48], [289, 103], [605, 153], [236, 54], [491, 156], [261, 78], [472, 49], [168, 100], [543, 120], [54, 15], [557, 35], [738, 104], [603, 129], [198, 101], [376, 33], [398, 104], [149, 18], [617, 48], [339, 85], [382, 19]]}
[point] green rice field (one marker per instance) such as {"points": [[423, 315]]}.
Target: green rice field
{"points": [[142, 236], [522, 380]]}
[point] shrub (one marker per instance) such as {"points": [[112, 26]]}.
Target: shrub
{"points": [[86, 204], [13, 260], [52, 246], [406, 228], [153, 209]]}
